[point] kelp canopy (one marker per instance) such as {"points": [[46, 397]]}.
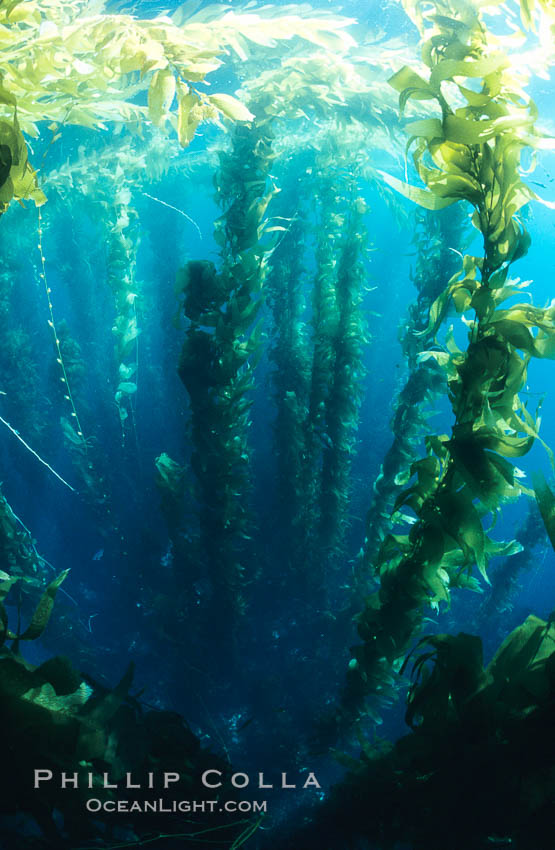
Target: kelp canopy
{"points": [[71, 63], [217, 458]]}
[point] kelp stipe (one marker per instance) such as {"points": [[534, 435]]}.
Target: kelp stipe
{"points": [[123, 244], [216, 366], [348, 338], [439, 239], [287, 296], [68, 396], [21, 401], [321, 367]]}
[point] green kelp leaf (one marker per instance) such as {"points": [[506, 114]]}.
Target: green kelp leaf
{"points": [[460, 519], [392, 545], [529, 315], [103, 709], [6, 585], [10, 137], [25, 186], [160, 95], [457, 673], [483, 303], [507, 445], [502, 548], [7, 97], [422, 197], [170, 475], [346, 760], [46, 697], [516, 333], [231, 107], [451, 185], [243, 313], [474, 98], [437, 583], [544, 346], [6, 194], [431, 543], [427, 128], [467, 582], [490, 477], [126, 372], [406, 78], [189, 114], [518, 650], [546, 503], [410, 85], [449, 68], [463, 294], [44, 609], [127, 387], [451, 156], [465, 131]]}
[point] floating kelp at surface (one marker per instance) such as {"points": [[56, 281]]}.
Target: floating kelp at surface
{"points": [[61, 57]]}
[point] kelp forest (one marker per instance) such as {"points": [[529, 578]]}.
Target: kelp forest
{"points": [[277, 508]]}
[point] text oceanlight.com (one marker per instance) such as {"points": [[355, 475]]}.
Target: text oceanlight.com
{"points": [[172, 806]]}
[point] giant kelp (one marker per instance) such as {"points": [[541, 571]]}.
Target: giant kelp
{"points": [[470, 152], [506, 578], [314, 398], [437, 239], [69, 64], [66, 65], [217, 361], [347, 336], [327, 118], [21, 397], [289, 353], [18, 551]]}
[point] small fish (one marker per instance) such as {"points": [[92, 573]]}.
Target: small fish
{"points": [[98, 555]]}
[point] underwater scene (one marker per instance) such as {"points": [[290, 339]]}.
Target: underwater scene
{"points": [[277, 423]]}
